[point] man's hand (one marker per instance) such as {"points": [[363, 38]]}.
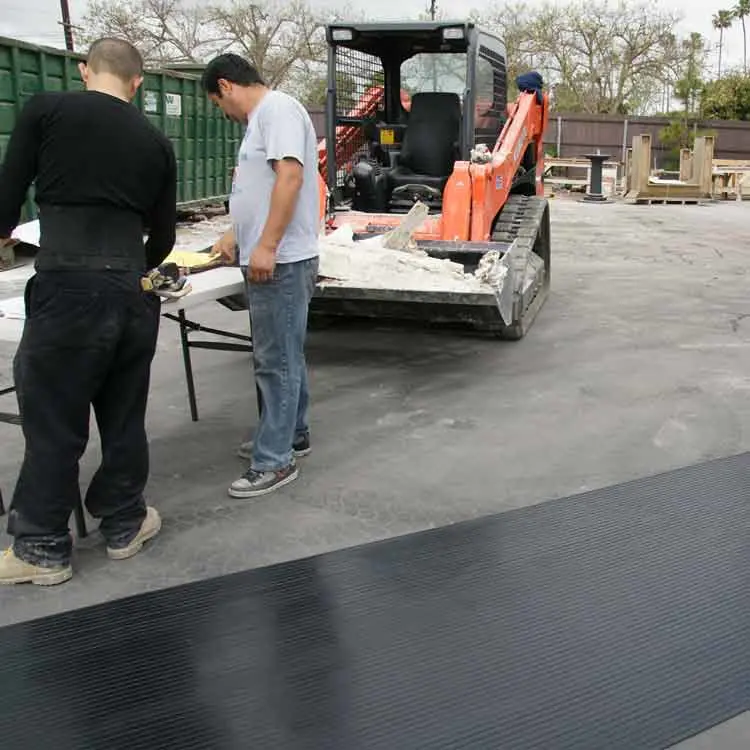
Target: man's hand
{"points": [[8, 241], [225, 247], [262, 264]]}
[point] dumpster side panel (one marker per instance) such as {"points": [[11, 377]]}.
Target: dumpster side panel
{"points": [[205, 142]]}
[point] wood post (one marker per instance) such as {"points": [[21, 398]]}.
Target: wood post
{"points": [[627, 167], [641, 163], [686, 165], [703, 159]]}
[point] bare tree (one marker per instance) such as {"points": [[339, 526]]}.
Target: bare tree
{"points": [[307, 78], [598, 56], [163, 30], [284, 41], [511, 22], [279, 40]]}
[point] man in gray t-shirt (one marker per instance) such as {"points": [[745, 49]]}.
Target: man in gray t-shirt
{"points": [[276, 219]]}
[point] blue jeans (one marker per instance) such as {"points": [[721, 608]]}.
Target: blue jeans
{"points": [[278, 321]]}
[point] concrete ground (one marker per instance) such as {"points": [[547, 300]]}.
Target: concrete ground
{"points": [[638, 363]]}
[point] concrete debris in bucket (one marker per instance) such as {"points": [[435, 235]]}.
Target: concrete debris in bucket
{"points": [[367, 263]]}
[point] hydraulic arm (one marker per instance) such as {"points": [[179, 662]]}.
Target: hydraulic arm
{"points": [[518, 156]]}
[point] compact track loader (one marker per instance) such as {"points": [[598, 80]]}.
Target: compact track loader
{"points": [[418, 113]]}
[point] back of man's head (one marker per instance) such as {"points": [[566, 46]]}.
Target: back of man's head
{"points": [[232, 69], [115, 57]]}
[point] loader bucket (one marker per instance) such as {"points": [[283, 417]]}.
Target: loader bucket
{"points": [[493, 312]]}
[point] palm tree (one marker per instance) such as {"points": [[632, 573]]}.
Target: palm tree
{"points": [[723, 21], [741, 10]]}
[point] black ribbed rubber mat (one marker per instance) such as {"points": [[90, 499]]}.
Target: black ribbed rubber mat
{"points": [[615, 619]]}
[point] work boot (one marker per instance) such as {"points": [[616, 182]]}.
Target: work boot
{"points": [[300, 446], [255, 483], [150, 527], [14, 570]]}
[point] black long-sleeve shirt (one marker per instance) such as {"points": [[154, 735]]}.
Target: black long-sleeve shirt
{"points": [[104, 175]]}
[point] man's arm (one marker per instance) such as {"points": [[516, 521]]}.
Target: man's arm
{"points": [[20, 165], [163, 220], [284, 196], [284, 136]]}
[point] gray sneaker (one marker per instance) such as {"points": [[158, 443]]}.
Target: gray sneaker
{"points": [[255, 483], [300, 446]]}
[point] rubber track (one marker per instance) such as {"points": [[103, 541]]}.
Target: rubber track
{"points": [[520, 219]]}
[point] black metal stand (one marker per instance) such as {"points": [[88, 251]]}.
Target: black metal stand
{"points": [[7, 418], [186, 328], [595, 193]]}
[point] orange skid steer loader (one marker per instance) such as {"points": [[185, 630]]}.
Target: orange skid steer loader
{"points": [[418, 112]]}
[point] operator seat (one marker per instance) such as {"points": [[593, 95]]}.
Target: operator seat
{"points": [[431, 143]]}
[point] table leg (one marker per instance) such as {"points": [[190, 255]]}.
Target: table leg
{"points": [[80, 521], [186, 358], [7, 419]]}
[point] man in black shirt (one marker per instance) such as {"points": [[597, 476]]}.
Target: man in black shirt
{"points": [[104, 176]]}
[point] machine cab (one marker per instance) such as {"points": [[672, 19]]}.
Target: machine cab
{"points": [[405, 102]]}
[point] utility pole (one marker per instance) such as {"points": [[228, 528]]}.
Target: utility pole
{"points": [[66, 24]]}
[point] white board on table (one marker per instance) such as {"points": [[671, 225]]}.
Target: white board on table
{"points": [[28, 233], [13, 308]]}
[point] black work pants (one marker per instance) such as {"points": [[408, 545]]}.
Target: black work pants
{"points": [[89, 339]]}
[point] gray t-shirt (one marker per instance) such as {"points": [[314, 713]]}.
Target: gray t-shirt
{"points": [[278, 128]]}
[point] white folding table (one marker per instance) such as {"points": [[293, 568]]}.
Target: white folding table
{"points": [[224, 285]]}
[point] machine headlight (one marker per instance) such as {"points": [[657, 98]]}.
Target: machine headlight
{"points": [[342, 35], [453, 33]]}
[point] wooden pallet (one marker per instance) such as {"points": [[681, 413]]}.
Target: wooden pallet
{"points": [[651, 201]]}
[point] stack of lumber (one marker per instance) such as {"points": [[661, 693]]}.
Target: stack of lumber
{"points": [[731, 179]]}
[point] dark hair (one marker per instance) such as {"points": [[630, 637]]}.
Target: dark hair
{"points": [[115, 56], [232, 68]]}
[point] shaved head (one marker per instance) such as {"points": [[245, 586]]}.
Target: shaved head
{"points": [[116, 57]]}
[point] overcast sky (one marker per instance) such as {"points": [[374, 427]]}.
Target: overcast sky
{"points": [[37, 20]]}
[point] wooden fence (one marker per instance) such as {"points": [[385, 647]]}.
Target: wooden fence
{"points": [[571, 135], [576, 135]]}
